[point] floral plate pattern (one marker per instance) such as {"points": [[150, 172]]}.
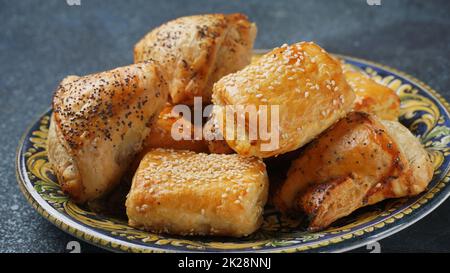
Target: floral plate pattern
{"points": [[423, 111]]}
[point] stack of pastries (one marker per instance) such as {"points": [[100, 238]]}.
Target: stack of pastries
{"points": [[353, 152]]}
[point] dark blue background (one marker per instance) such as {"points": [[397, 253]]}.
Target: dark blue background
{"points": [[42, 41]]}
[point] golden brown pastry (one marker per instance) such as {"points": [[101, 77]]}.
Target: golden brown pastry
{"points": [[219, 147], [305, 82], [372, 97], [98, 124], [196, 51], [215, 141], [161, 134], [357, 162], [183, 192]]}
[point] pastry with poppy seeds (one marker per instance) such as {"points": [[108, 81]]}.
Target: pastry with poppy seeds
{"points": [[196, 51], [98, 124], [359, 161]]}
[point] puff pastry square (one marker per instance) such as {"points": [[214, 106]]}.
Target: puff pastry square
{"points": [[188, 193]]}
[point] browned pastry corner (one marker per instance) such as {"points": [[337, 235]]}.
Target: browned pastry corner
{"points": [[98, 124], [161, 134], [359, 161], [196, 51], [303, 80], [214, 139], [372, 97], [188, 193]]}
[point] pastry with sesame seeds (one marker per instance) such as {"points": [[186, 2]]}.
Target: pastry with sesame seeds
{"points": [[188, 193], [359, 161], [303, 80], [196, 51], [372, 97], [98, 124]]}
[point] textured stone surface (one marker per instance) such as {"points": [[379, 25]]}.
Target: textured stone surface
{"points": [[42, 41]]}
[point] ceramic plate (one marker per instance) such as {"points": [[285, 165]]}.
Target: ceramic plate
{"points": [[423, 111]]}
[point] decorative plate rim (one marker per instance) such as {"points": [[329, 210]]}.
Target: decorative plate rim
{"points": [[113, 244]]}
